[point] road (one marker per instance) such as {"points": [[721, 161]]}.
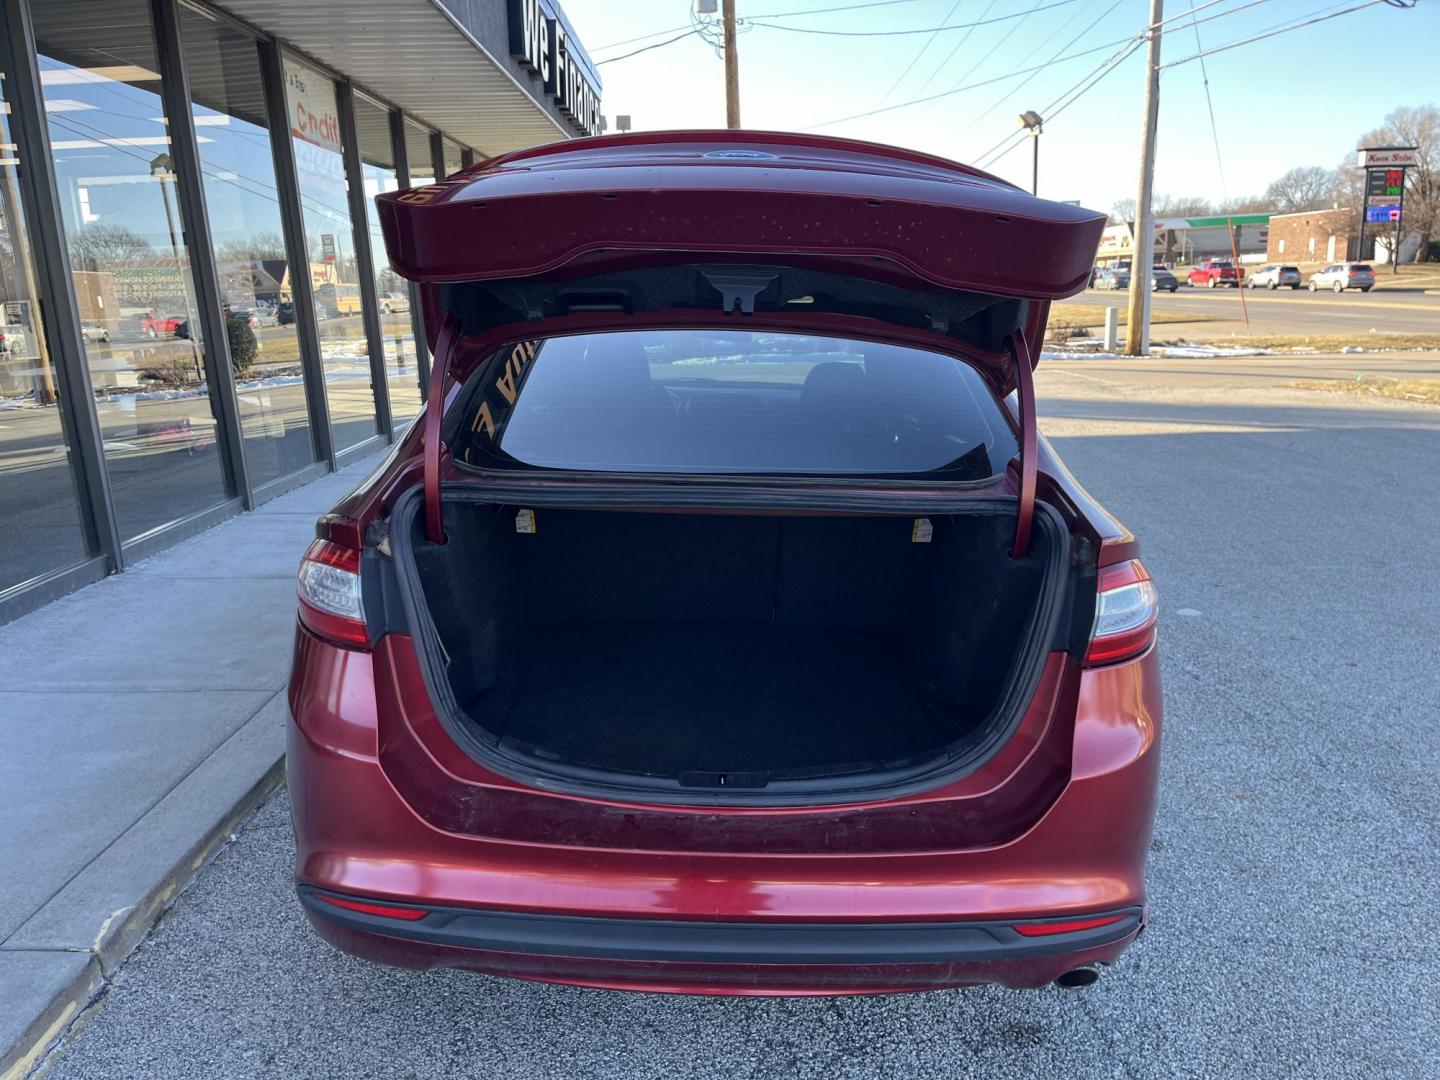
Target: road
{"points": [[1282, 312], [1294, 893]]}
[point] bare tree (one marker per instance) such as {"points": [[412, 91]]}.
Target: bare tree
{"points": [[1183, 206], [1122, 211], [1305, 187], [109, 247], [1417, 126]]}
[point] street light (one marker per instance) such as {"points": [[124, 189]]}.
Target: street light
{"points": [[1031, 122]]}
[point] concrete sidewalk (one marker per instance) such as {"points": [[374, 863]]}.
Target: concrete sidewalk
{"points": [[140, 718]]}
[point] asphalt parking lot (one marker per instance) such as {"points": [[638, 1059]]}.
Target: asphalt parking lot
{"points": [[1294, 878]]}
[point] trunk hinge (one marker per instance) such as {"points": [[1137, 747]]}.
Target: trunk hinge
{"points": [[434, 413], [1029, 448]]}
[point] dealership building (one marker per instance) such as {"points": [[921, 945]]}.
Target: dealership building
{"points": [[198, 314]]}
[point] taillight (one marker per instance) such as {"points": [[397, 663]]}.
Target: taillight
{"points": [[1125, 614], [1061, 926], [329, 589], [367, 907]]}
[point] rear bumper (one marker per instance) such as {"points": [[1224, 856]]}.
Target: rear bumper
{"points": [[1084, 855], [719, 957]]}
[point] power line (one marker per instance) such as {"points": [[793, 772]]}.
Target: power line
{"points": [[647, 48], [962, 89], [639, 37], [767, 15], [1060, 104], [827, 10], [753, 21], [996, 47], [1210, 105], [1063, 49], [953, 50], [916, 58], [1281, 30]]}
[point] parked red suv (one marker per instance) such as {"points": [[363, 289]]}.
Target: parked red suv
{"points": [[727, 626]]}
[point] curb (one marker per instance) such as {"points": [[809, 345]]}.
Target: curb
{"points": [[217, 795]]}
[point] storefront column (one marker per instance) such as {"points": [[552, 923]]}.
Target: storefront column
{"points": [[437, 155], [364, 258], [194, 218], [297, 257], [417, 317], [75, 396]]}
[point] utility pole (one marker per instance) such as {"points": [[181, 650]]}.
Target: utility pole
{"points": [[1137, 328], [732, 68]]}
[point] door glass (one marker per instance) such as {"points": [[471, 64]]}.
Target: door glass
{"points": [[452, 157], [245, 226], [39, 510], [330, 241], [377, 157], [120, 204], [422, 172], [417, 154]]}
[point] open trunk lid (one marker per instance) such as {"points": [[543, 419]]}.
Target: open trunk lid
{"points": [[786, 231]]}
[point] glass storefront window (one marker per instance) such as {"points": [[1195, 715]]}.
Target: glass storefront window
{"points": [[417, 154], [40, 527], [377, 157], [120, 204], [238, 174], [452, 157], [330, 241]]}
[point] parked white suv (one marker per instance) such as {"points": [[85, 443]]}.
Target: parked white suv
{"points": [[1273, 276], [1342, 276]]}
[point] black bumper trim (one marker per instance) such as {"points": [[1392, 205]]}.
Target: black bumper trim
{"points": [[719, 942]]}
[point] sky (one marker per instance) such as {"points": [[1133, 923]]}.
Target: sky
{"points": [[1298, 98]]}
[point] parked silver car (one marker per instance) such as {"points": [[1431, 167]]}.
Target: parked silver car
{"points": [[393, 303], [1342, 276], [1274, 275], [1112, 278]]}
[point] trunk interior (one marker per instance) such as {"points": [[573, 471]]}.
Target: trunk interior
{"points": [[735, 650]]}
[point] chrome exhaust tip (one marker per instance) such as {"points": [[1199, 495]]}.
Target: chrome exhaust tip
{"points": [[1081, 976]]}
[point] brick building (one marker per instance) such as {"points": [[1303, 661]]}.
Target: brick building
{"points": [[1312, 236]]}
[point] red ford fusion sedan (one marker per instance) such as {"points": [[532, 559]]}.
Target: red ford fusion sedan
{"points": [[725, 625]]}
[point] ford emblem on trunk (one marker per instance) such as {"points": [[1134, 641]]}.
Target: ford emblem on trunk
{"points": [[748, 155]]}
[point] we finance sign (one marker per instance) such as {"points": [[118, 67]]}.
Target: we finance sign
{"points": [[540, 40]]}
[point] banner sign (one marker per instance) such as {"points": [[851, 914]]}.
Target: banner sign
{"points": [[1378, 157], [310, 98]]}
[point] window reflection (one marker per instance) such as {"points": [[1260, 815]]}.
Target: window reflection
{"points": [[238, 174], [452, 157], [40, 527], [330, 242], [132, 279], [417, 154], [377, 156]]}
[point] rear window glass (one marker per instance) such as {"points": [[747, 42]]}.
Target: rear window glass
{"points": [[702, 401]]}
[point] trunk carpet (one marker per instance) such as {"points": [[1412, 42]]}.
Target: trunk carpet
{"points": [[663, 698]]}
